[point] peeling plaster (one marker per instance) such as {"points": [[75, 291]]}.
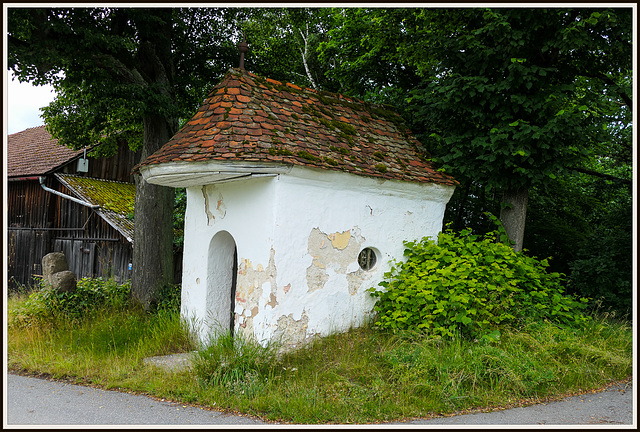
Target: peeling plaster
{"points": [[221, 208], [317, 276], [335, 251], [291, 332], [355, 280], [340, 240], [272, 300], [249, 290], [317, 222]]}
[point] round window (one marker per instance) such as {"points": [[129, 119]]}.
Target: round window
{"points": [[367, 259]]}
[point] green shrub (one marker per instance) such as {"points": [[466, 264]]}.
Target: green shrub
{"points": [[471, 285], [89, 296], [167, 298], [603, 270]]}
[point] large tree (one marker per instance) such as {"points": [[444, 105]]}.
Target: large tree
{"points": [[126, 73], [283, 44], [507, 99]]}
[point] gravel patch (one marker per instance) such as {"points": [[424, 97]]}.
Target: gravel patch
{"points": [[172, 362]]}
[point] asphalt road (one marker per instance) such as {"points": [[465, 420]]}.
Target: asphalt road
{"points": [[34, 401]]}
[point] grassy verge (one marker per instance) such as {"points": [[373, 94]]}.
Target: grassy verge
{"points": [[362, 376]]}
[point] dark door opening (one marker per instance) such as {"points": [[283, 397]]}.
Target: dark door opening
{"points": [[234, 279]]}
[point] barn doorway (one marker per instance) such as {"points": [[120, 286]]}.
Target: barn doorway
{"points": [[222, 270]]}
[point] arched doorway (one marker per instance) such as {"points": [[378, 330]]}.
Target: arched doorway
{"points": [[222, 270]]}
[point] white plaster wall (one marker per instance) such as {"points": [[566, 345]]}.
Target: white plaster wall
{"points": [[298, 236], [243, 209], [314, 210]]}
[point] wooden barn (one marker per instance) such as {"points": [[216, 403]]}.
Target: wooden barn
{"points": [[60, 200]]}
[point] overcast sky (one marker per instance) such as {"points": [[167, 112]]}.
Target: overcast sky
{"points": [[23, 103]]}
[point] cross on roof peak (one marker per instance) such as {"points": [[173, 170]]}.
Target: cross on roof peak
{"points": [[243, 47]]}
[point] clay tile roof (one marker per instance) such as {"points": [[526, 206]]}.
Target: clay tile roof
{"points": [[116, 199], [250, 118], [33, 152]]}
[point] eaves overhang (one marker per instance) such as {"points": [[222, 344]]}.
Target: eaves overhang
{"points": [[186, 174]]}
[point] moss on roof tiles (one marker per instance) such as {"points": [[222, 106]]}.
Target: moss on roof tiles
{"points": [[282, 123], [117, 197]]}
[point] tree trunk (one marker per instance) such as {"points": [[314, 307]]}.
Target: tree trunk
{"points": [[303, 53], [153, 223], [514, 214]]}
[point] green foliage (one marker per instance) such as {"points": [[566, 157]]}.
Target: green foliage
{"points": [[167, 298], [503, 123], [362, 47], [471, 285], [109, 82], [48, 305], [585, 223], [283, 44], [523, 364], [361, 376], [179, 210], [511, 97], [606, 276]]}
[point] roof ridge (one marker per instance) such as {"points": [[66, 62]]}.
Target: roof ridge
{"points": [[28, 129], [63, 175], [320, 92], [34, 151]]}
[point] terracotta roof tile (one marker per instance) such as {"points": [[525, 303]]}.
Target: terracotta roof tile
{"points": [[256, 119], [33, 152]]}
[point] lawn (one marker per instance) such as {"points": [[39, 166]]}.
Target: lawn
{"points": [[366, 375]]}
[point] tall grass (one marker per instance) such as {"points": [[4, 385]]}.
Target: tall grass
{"points": [[366, 375], [361, 376], [92, 333]]}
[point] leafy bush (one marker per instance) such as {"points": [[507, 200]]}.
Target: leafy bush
{"points": [[47, 304], [471, 285], [603, 269], [167, 298]]}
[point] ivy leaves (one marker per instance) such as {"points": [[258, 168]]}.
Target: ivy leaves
{"points": [[473, 285]]}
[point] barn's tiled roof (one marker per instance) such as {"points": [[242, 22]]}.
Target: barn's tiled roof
{"points": [[33, 152], [116, 199], [251, 119]]}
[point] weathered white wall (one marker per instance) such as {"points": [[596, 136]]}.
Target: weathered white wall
{"points": [[244, 210], [298, 237]]}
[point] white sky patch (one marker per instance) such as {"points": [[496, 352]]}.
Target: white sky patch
{"points": [[23, 103]]}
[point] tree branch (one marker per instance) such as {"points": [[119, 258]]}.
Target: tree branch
{"points": [[118, 69], [601, 175], [625, 97]]}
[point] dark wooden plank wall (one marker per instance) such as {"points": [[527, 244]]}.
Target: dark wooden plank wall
{"points": [[40, 222], [35, 215], [29, 234], [28, 204], [96, 258], [26, 249], [117, 167]]}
